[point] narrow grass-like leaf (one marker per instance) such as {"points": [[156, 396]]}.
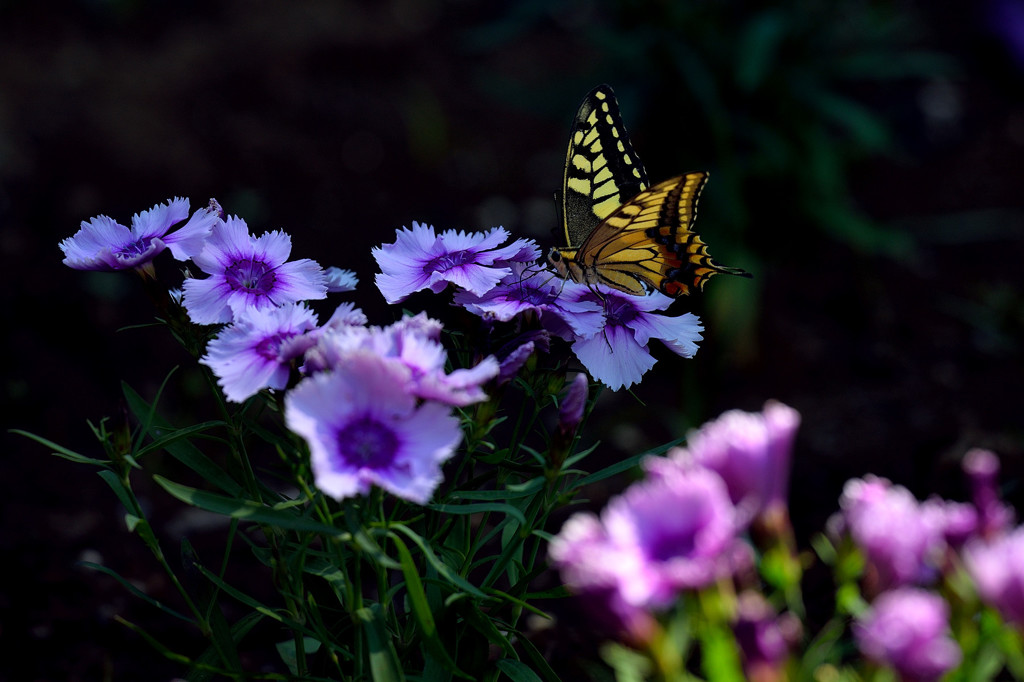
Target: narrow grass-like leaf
{"points": [[517, 671], [421, 608], [163, 436], [143, 411], [720, 655], [608, 472], [244, 510], [537, 660], [485, 495], [485, 626], [481, 508], [115, 483], [201, 673], [183, 450], [521, 603], [443, 569], [136, 591], [61, 451], [384, 665], [205, 597]]}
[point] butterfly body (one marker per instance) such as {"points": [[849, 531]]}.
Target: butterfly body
{"points": [[620, 231]]}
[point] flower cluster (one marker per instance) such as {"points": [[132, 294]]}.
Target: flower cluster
{"points": [[910, 546], [608, 331], [679, 529], [374, 404], [684, 529]]}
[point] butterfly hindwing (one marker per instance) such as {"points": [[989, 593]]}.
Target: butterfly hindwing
{"points": [[602, 171]]}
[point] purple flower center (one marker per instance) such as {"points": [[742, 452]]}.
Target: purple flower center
{"points": [[671, 543], [135, 248], [251, 275], [447, 261], [618, 311], [366, 442], [270, 347], [532, 295]]}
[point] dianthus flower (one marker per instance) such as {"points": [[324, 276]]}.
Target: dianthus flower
{"points": [[420, 259], [751, 451], [982, 469], [104, 244], [411, 342], [902, 539], [561, 306], [364, 428], [997, 568], [256, 350], [646, 554], [908, 630], [618, 356], [340, 281], [246, 271]]}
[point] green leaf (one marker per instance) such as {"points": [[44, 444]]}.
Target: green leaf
{"points": [[202, 668], [327, 570], [536, 658], [485, 625], [142, 410], [824, 548], [421, 609], [443, 569], [866, 129], [613, 470], [61, 451], [720, 657], [290, 655], [517, 671], [117, 485], [181, 449], [758, 46], [244, 510], [481, 508], [384, 665], [136, 591], [629, 665], [824, 649], [484, 495], [205, 597]]}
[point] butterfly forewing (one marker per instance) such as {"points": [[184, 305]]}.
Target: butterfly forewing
{"points": [[602, 171]]}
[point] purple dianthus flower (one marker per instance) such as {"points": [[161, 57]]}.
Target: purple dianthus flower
{"points": [[246, 271], [420, 259], [658, 538], [104, 244], [617, 356], [256, 350], [997, 568], [908, 629], [982, 469], [412, 343], [751, 451], [902, 538], [364, 428], [339, 280], [561, 306], [761, 637]]}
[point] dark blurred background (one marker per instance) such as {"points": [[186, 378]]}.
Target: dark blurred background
{"points": [[865, 163]]}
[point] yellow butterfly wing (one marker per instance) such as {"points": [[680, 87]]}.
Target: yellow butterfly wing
{"points": [[602, 171], [618, 230], [650, 240]]}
